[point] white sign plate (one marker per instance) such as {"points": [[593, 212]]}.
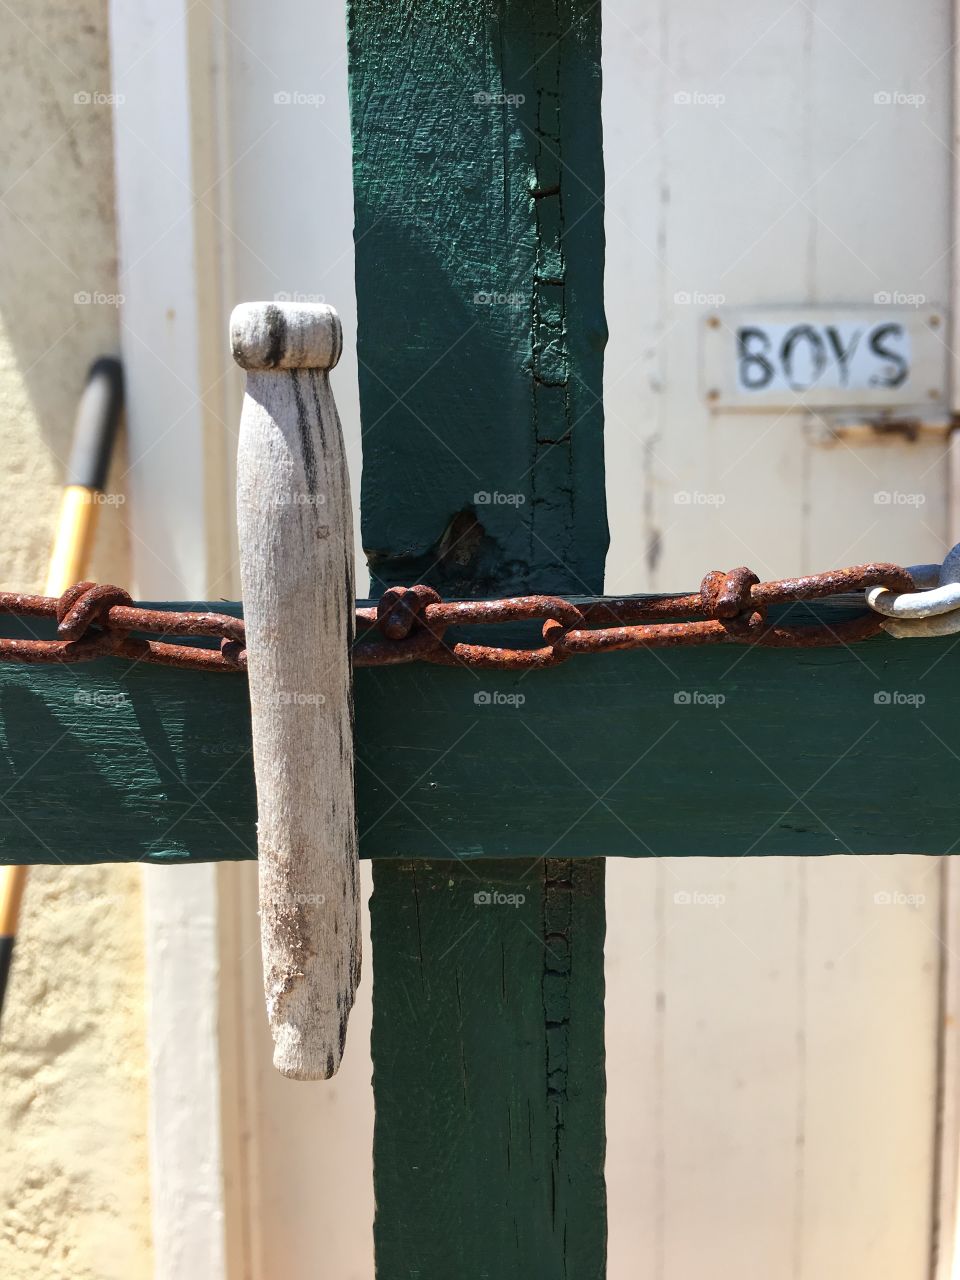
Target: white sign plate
{"points": [[789, 358]]}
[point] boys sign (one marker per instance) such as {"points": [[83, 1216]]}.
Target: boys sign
{"points": [[779, 359]]}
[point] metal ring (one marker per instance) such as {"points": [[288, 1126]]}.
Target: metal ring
{"points": [[939, 624], [950, 569], [939, 596], [925, 575], [915, 604]]}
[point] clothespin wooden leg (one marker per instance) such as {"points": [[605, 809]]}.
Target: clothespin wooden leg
{"points": [[296, 570]]}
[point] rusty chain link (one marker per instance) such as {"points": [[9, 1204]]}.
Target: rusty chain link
{"points": [[96, 622], [409, 624]]}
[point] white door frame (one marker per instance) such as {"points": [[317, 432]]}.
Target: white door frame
{"points": [[171, 265]]}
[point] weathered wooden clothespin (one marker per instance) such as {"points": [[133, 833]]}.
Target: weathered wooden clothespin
{"points": [[296, 571]]}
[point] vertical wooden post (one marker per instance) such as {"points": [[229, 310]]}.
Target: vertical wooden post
{"points": [[478, 185]]}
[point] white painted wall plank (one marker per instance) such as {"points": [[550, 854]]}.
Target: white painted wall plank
{"points": [[772, 1102], [869, 1020], [168, 520]]}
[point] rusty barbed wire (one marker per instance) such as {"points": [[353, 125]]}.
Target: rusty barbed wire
{"points": [[410, 624]]}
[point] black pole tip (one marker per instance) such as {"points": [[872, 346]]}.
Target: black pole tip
{"points": [[6, 959]]}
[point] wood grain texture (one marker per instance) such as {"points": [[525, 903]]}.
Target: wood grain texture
{"points": [[492, 266], [499, 969], [296, 568], [478, 180]]}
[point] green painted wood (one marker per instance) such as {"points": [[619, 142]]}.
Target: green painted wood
{"points": [[480, 293], [491, 1185], [478, 185], [103, 763]]}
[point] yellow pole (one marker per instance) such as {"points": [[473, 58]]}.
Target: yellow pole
{"points": [[76, 529], [97, 418]]}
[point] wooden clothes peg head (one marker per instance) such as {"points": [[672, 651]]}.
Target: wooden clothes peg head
{"points": [[296, 569]]}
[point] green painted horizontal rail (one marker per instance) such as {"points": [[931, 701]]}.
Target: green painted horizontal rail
{"points": [[715, 750]]}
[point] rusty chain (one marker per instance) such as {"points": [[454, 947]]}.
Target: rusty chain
{"points": [[96, 622], [410, 624]]}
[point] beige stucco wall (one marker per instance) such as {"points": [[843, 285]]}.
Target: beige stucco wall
{"points": [[74, 1190]]}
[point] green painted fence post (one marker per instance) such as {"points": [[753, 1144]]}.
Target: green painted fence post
{"points": [[478, 181]]}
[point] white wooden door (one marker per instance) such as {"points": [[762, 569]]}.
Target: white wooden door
{"points": [[772, 1023]]}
